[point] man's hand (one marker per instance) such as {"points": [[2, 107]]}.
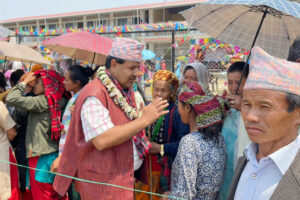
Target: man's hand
{"points": [[235, 101], [122, 133], [55, 164], [155, 149], [154, 110]]}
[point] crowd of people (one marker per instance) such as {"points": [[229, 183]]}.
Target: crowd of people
{"points": [[91, 134]]}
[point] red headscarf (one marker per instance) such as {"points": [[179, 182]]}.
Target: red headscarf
{"points": [[54, 91]]}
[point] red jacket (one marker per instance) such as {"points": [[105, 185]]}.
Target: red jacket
{"points": [[82, 160]]}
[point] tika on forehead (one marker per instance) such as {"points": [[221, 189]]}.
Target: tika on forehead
{"points": [[268, 72], [127, 49]]}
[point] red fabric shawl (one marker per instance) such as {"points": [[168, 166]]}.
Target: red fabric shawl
{"points": [[54, 91]]}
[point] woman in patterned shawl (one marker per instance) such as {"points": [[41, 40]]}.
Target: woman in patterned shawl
{"points": [[199, 166]]}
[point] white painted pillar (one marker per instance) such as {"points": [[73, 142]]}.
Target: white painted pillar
{"points": [[111, 19], [60, 23], [84, 21], [151, 16]]}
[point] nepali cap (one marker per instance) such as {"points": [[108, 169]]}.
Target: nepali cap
{"points": [[207, 107], [127, 49], [271, 73]]}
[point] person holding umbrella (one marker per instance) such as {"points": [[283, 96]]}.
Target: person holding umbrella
{"points": [[232, 120], [106, 141], [271, 113]]}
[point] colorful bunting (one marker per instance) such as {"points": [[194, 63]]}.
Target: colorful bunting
{"points": [[200, 46], [108, 29]]}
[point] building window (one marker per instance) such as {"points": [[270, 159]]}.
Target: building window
{"points": [[147, 16], [103, 22], [135, 20], [12, 28], [24, 28], [90, 24], [68, 25], [42, 26], [79, 24], [122, 21], [34, 28], [52, 26]]}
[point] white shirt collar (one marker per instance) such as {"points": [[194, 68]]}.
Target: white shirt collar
{"points": [[283, 157]]}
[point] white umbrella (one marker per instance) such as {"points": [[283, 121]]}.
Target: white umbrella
{"points": [[16, 52]]}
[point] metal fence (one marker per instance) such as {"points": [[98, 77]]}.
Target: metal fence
{"points": [[166, 44], [172, 49]]}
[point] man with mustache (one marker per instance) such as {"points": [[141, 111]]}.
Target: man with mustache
{"points": [[106, 141], [270, 166]]}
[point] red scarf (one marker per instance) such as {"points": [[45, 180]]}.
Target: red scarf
{"points": [[140, 140], [54, 91]]}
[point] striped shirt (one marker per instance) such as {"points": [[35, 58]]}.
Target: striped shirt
{"points": [[259, 179]]}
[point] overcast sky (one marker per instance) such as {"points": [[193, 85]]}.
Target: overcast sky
{"points": [[10, 9]]}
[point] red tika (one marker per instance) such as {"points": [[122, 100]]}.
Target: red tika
{"points": [[82, 160]]}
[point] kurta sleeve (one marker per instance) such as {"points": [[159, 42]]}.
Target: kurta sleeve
{"points": [[184, 170], [30, 103]]}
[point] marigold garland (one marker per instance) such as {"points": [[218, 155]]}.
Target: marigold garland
{"points": [[116, 94]]}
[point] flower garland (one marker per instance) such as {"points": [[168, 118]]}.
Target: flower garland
{"points": [[116, 94]]}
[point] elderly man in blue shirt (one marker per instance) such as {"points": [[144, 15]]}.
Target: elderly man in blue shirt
{"points": [[270, 166]]}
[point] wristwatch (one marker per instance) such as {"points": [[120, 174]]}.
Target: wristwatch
{"points": [[162, 150]]}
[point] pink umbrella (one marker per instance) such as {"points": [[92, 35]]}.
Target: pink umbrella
{"points": [[3, 39], [85, 46]]}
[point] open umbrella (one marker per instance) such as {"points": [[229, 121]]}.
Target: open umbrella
{"points": [[16, 52], [271, 24], [85, 46]]}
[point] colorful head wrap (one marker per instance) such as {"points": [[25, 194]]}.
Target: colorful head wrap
{"points": [[166, 75], [127, 49], [268, 72], [54, 91], [206, 106]]}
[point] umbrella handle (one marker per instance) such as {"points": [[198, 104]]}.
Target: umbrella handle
{"points": [[93, 59], [254, 41]]}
